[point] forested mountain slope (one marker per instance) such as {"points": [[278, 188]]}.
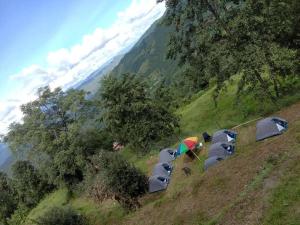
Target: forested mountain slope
{"points": [[148, 56]]}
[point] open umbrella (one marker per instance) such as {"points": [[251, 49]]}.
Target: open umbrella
{"points": [[186, 145]]}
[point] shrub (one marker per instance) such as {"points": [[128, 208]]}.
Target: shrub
{"points": [[62, 216], [124, 182], [19, 216]]}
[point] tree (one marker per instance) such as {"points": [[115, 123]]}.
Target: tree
{"points": [[225, 38], [131, 115], [29, 186], [118, 179], [59, 133], [258, 31], [8, 202]]}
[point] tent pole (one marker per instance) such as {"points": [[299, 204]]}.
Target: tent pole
{"points": [[195, 155], [250, 121]]}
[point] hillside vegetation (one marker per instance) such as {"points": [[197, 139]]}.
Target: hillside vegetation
{"points": [[247, 188], [148, 57], [256, 186], [206, 65]]}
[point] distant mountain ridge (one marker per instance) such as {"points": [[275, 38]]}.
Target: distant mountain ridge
{"points": [[148, 56], [6, 157], [92, 83]]}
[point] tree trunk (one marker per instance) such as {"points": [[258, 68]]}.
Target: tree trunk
{"points": [[265, 87]]}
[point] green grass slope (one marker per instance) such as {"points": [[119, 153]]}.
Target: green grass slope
{"points": [[258, 185], [56, 199]]}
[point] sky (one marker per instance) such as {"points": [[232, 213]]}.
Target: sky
{"points": [[60, 42]]}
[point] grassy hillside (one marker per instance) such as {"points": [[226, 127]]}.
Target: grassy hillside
{"points": [[258, 185], [59, 198], [147, 57], [250, 188]]}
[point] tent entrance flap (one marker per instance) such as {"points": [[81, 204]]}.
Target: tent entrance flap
{"points": [[280, 128]]}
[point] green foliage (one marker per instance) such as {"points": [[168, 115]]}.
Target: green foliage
{"points": [[132, 116], [8, 202], [147, 57], [202, 114], [29, 185], [58, 198], [108, 213], [61, 216], [59, 133], [120, 179], [222, 38], [64, 134], [19, 216]]}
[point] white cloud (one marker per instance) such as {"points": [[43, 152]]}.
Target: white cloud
{"points": [[66, 67]]}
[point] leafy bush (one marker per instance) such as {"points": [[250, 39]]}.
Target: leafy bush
{"points": [[97, 190], [28, 183], [19, 216], [124, 182], [62, 216], [8, 202]]}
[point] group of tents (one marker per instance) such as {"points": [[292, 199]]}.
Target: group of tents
{"points": [[222, 147], [162, 171]]}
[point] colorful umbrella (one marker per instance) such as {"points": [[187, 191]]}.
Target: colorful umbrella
{"points": [[186, 145]]}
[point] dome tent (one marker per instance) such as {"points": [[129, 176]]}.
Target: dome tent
{"points": [[270, 127], [167, 155], [162, 169], [221, 149], [224, 136], [212, 161], [158, 183]]}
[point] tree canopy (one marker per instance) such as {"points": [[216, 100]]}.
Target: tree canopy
{"points": [[257, 39], [8, 200], [132, 115], [28, 184], [60, 132]]}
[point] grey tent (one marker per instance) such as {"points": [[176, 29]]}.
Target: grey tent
{"points": [[158, 183], [224, 136], [162, 169], [221, 149], [270, 127], [167, 155], [212, 161]]}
